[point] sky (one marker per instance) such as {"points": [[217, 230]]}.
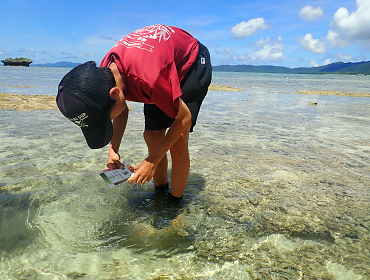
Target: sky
{"points": [[290, 33]]}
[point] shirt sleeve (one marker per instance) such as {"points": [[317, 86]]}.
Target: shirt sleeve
{"points": [[167, 90]]}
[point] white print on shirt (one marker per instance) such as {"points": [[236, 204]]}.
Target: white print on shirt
{"points": [[79, 120], [141, 38]]}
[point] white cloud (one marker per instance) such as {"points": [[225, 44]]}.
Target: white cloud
{"points": [[108, 38], [327, 61], [1, 52], [67, 53], [227, 50], [310, 13], [350, 27], [266, 50], [31, 51], [247, 29], [345, 57], [83, 54], [311, 44], [269, 50], [335, 40], [313, 63]]}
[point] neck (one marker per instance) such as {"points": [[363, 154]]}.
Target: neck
{"points": [[117, 76]]}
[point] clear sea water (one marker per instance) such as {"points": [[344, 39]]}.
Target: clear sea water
{"points": [[278, 189]]}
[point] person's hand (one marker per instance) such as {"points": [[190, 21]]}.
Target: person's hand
{"points": [[114, 160], [143, 172]]}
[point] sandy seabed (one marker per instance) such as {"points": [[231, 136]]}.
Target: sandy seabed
{"points": [[9, 101], [278, 189]]}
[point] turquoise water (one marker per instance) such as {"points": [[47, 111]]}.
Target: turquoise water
{"points": [[279, 189]]}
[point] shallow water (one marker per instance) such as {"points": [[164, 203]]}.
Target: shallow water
{"points": [[279, 189]]}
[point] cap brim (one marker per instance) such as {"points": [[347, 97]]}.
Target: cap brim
{"points": [[100, 134]]}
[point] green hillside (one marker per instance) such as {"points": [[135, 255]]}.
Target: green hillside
{"points": [[351, 68]]}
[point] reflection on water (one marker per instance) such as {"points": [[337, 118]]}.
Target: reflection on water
{"points": [[279, 189]]}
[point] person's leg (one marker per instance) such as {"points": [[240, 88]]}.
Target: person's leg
{"points": [[153, 139], [180, 164]]}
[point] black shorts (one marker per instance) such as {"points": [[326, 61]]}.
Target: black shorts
{"points": [[194, 88]]}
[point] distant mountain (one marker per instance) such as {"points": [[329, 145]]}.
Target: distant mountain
{"points": [[58, 64], [352, 68]]}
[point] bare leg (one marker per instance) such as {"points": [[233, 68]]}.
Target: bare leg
{"points": [[153, 138], [180, 164]]}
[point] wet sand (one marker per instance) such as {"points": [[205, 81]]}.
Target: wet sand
{"points": [[223, 88], [331, 92], [18, 102], [9, 101]]}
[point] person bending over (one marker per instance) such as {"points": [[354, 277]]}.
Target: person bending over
{"points": [[163, 67]]}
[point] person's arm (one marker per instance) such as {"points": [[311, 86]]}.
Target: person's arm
{"points": [[119, 126], [145, 170]]}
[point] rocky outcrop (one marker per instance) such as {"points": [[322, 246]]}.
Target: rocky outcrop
{"points": [[17, 61]]}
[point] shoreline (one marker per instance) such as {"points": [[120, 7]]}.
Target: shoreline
{"points": [[18, 102], [332, 92]]}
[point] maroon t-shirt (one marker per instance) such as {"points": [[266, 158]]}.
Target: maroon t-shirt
{"points": [[152, 61]]}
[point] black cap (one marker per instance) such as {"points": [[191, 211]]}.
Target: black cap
{"points": [[83, 98]]}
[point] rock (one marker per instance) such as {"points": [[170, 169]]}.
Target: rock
{"points": [[21, 61]]}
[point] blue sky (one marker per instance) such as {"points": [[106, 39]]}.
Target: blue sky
{"points": [[284, 33]]}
